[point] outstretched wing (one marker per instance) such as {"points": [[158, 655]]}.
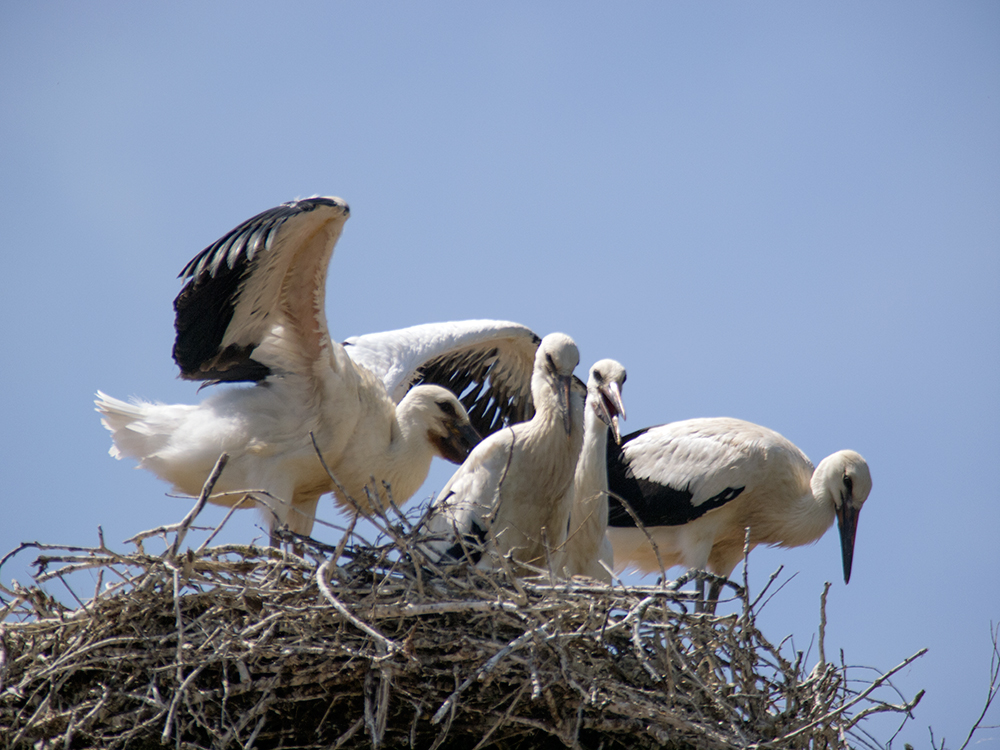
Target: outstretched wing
{"points": [[254, 302], [674, 473], [486, 363]]}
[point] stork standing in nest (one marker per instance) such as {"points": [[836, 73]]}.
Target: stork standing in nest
{"points": [[253, 311], [512, 496], [696, 485], [588, 550]]}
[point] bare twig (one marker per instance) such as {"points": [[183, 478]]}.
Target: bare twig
{"points": [[181, 528], [822, 624], [994, 687], [206, 490], [642, 527], [853, 702], [322, 577], [236, 506]]}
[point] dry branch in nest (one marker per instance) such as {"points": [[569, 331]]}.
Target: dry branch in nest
{"points": [[371, 645]]}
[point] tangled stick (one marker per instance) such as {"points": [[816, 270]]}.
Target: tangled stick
{"points": [[368, 644]]}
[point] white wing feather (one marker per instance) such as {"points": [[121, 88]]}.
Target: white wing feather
{"points": [[397, 356], [703, 456]]}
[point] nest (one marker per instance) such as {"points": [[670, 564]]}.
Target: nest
{"points": [[371, 645]]}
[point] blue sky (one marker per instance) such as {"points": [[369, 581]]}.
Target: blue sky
{"points": [[783, 212]]}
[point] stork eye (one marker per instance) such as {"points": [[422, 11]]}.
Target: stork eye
{"points": [[548, 358], [598, 374], [447, 407], [849, 484]]}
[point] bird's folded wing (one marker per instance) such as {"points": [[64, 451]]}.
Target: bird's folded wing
{"points": [[487, 363], [466, 505], [683, 473], [254, 302]]}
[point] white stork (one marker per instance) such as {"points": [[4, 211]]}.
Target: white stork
{"points": [[697, 485], [587, 545], [253, 311], [515, 489]]}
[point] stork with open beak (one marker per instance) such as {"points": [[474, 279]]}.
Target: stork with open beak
{"points": [[587, 550]]}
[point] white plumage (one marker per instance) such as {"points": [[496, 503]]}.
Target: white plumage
{"points": [[587, 545], [487, 362], [513, 494], [697, 484], [253, 310]]}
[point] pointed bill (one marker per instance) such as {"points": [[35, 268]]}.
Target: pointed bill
{"points": [[565, 383], [847, 523], [610, 407]]}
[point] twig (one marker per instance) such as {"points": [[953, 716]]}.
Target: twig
{"points": [[206, 490], [746, 574], [636, 616], [236, 506], [172, 711], [181, 528], [329, 473], [390, 646], [994, 684], [642, 527], [857, 699], [383, 611], [346, 736], [822, 624]]}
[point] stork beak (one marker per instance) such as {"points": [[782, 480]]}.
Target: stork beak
{"points": [[461, 439], [847, 523], [610, 407], [564, 389]]}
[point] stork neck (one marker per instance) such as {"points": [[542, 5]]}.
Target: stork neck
{"points": [[810, 517], [591, 478], [407, 434], [547, 394], [592, 468], [406, 457]]}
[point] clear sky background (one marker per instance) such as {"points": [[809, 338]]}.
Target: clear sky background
{"points": [[783, 212]]}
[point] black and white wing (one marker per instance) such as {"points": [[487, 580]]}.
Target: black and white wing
{"points": [[254, 302], [462, 513], [674, 473], [486, 363]]}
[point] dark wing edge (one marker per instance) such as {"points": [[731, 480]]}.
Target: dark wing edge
{"points": [[653, 503], [487, 364], [493, 398], [216, 278]]}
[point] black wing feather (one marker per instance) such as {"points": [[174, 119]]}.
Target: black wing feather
{"points": [[205, 306], [655, 504], [470, 546], [470, 379]]}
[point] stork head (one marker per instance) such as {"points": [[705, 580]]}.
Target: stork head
{"points": [[844, 480], [604, 393], [445, 420], [552, 377]]}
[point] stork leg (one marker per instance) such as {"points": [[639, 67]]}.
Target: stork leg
{"points": [[297, 548], [700, 590], [707, 604], [714, 591]]}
